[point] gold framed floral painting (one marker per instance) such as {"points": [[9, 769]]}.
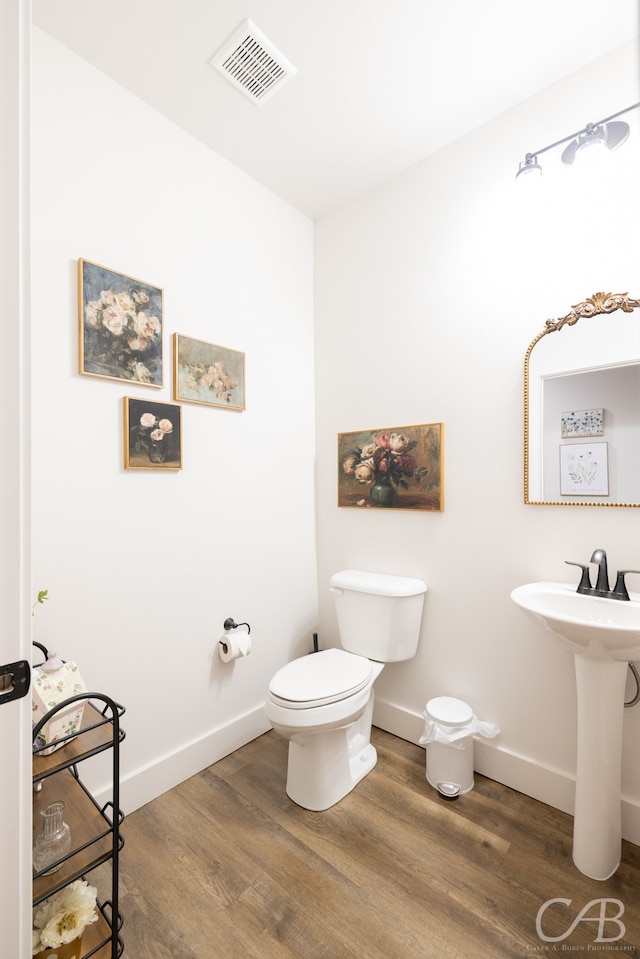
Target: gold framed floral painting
{"points": [[208, 374], [398, 467], [121, 326], [152, 435]]}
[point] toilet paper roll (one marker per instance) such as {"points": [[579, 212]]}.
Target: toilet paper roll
{"points": [[234, 647]]}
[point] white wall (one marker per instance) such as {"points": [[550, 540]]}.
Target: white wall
{"points": [[428, 293], [143, 568]]}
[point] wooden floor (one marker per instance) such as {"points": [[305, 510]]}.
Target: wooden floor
{"points": [[225, 866]]}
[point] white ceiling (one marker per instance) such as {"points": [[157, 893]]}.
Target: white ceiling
{"points": [[380, 84]]}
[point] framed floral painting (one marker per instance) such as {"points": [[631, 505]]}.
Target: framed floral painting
{"points": [[120, 326], [208, 374], [398, 467], [584, 469], [152, 435], [582, 423]]}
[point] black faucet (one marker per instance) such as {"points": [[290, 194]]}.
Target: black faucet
{"points": [[602, 583], [602, 588]]}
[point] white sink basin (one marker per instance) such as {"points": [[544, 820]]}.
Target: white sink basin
{"points": [[600, 627]]}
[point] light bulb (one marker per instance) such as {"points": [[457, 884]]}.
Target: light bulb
{"points": [[529, 166]]}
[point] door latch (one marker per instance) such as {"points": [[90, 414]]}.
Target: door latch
{"points": [[15, 679]]}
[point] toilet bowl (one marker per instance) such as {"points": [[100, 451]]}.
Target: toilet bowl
{"points": [[323, 704]]}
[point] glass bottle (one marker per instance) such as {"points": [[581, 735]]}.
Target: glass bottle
{"points": [[54, 841]]}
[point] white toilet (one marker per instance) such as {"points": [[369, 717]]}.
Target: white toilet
{"points": [[323, 702]]}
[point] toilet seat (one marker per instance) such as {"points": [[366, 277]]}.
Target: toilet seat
{"points": [[319, 679]]}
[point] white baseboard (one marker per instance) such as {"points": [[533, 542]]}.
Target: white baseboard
{"points": [[551, 786], [146, 783]]}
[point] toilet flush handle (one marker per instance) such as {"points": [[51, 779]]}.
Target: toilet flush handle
{"points": [[336, 590]]}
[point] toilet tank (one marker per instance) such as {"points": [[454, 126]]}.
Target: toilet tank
{"points": [[379, 615]]}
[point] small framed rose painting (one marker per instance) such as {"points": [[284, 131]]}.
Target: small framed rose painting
{"points": [[120, 326], [398, 467], [152, 435], [208, 374]]}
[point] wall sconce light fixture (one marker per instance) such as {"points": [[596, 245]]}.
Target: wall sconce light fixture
{"points": [[609, 133]]}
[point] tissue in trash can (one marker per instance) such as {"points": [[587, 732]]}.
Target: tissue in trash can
{"points": [[458, 728]]}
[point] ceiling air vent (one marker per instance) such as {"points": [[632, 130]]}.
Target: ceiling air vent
{"points": [[252, 63]]}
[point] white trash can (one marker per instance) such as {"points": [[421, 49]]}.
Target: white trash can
{"points": [[449, 746]]}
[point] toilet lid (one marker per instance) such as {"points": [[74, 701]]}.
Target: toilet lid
{"points": [[320, 678]]}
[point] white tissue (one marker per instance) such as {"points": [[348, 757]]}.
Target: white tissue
{"points": [[452, 735], [234, 647]]}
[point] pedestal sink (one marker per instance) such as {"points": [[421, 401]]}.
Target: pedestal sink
{"points": [[604, 635]]}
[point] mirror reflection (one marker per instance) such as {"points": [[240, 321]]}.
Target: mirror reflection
{"points": [[582, 406]]}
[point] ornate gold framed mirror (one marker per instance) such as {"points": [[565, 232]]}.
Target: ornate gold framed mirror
{"points": [[582, 406]]}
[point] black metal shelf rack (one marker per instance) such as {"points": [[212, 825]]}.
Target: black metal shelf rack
{"points": [[95, 829]]}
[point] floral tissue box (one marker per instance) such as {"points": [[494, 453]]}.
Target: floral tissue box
{"points": [[49, 689]]}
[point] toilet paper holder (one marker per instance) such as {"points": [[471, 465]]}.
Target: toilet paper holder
{"points": [[229, 624]]}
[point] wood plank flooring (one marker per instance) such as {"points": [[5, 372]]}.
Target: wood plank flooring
{"points": [[225, 866]]}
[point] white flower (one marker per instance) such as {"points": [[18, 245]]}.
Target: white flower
{"points": [[398, 442], [63, 918], [146, 326], [114, 319], [365, 472], [141, 373], [125, 302]]}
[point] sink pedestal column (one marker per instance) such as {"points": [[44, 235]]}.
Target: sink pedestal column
{"points": [[597, 817]]}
